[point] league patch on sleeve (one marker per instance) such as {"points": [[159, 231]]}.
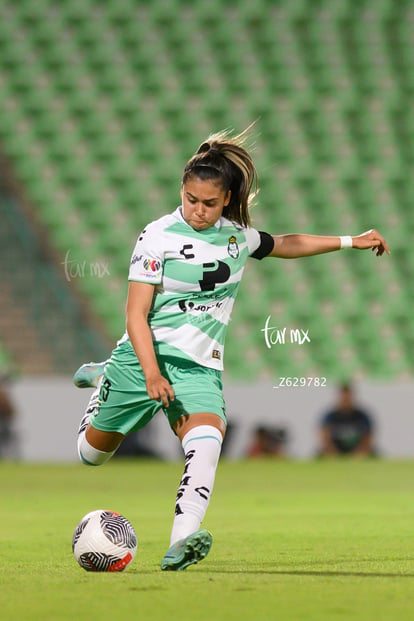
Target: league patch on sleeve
{"points": [[151, 265], [145, 268]]}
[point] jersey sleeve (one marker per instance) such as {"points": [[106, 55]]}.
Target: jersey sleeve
{"points": [[147, 259], [260, 244]]}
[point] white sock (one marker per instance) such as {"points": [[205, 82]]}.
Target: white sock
{"points": [[87, 453], [202, 446], [90, 455]]}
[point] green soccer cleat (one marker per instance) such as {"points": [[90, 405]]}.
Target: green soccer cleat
{"points": [[187, 551], [89, 374]]}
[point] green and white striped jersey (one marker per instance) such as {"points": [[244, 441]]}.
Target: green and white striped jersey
{"points": [[196, 276]]}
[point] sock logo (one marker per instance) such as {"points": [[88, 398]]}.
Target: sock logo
{"points": [[204, 492], [185, 482]]}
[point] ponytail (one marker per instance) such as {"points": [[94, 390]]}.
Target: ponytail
{"points": [[223, 157]]}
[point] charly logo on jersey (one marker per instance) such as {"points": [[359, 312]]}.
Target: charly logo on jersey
{"points": [[185, 251], [233, 248], [151, 265]]}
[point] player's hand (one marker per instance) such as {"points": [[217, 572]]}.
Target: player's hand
{"points": [[371, 239], [160, 389]]}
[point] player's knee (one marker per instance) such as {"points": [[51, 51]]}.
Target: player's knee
{"points": [[91, 456]]}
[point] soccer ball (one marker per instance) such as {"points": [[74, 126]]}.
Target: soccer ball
{"points": [[104, 541]]}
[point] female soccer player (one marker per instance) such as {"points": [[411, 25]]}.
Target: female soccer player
{"points": [[184, 275]]}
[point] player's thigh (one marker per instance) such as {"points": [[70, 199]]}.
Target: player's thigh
{"points": [[198, 398], [106, 441], [123, 404]]}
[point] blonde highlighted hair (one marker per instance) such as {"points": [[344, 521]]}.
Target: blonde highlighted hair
{"points": [[224, 158]]}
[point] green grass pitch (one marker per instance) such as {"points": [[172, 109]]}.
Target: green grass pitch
{"points": [[292, 541]]}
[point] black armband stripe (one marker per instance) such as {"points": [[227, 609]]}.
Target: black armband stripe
{"points": [[266, 246]]}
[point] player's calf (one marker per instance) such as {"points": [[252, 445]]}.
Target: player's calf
{"points": [[88, 454]]}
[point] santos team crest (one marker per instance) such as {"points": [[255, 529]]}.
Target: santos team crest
{"points": [[233, 248]]}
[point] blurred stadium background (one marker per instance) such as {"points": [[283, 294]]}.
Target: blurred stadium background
{"points": [[101, 104]]}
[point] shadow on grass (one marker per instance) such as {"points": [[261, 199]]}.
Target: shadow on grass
{"points": [[275, 572], [311, 572]]}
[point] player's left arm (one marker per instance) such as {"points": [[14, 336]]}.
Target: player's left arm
{"points": [[293, 246]]}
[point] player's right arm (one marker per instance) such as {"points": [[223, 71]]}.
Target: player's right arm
{"points": [[140, 295]]}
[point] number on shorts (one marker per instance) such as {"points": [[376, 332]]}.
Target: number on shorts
{"points": [[106, 384]]}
